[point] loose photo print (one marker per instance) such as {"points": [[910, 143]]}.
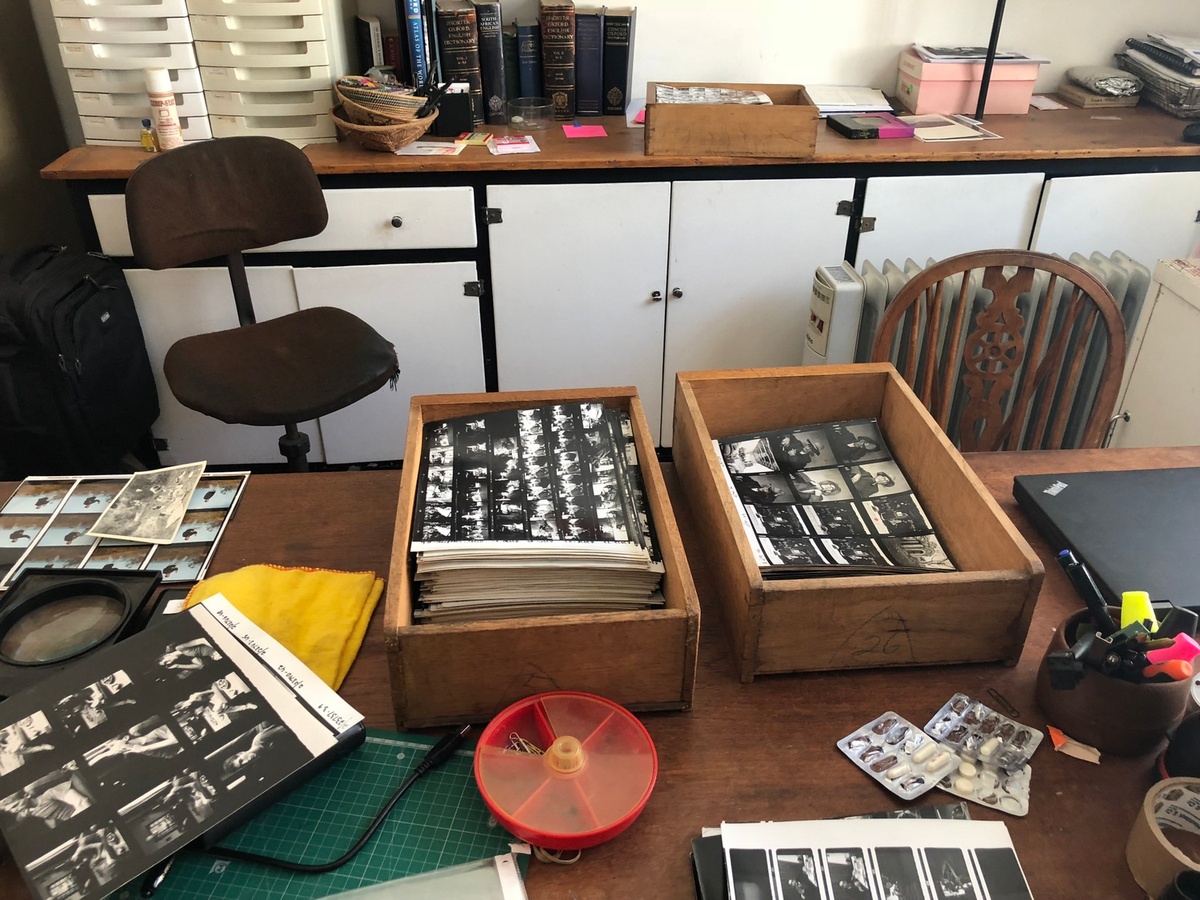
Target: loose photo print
{"points": [[151, 505], [36, 495], [171, 811], [752, 455], [96, 704], [200, 527], [24, 740], [81, 866]]}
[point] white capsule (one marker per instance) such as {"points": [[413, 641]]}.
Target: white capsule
{"points": [[989, 747], [937, 761], [898, 771], [924, 752]]}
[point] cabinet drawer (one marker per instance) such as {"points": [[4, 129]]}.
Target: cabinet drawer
{"points": [[360, 219], [254, 7], [146, 30], [262, 53], [131, 81], [134, 9], [258, 28]]}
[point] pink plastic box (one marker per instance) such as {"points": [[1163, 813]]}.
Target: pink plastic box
{"points": [[951, 87]]}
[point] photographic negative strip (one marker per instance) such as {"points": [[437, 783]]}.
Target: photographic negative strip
{"points": [[949, 874]]}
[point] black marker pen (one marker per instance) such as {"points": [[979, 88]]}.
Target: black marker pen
{"points": [[1085, 586]]}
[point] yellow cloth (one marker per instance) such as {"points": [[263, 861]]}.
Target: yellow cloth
{"points": [[318, 614]]}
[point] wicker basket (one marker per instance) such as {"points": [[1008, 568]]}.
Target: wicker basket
{"points": [[388, 138], [385, 112], [1178, 98]]}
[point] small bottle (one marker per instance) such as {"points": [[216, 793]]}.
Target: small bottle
{"points": [[147, 137], [162, 109]]}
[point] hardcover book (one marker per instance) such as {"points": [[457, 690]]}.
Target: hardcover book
{"points": [[458, 42], [558, 55], [589, 50], [618, 58], [512, 79], [529, 60], [368, 41], [491, 61], [177, 734], [412, 27]]}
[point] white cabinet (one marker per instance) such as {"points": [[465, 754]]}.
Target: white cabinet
{"points": [[175, 303], [1147, 215], [421, 308], [740, 274], [935, 216], [1161, 388], [575, 273], [613, 284]]}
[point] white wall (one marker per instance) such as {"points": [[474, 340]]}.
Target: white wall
{"points": [[857, 41]]}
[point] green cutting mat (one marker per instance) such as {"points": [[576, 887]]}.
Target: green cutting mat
{"points": [[441, 821]]}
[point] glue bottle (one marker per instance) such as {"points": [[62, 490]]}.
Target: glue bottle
{"points": [[147, 137], [162, 109]]}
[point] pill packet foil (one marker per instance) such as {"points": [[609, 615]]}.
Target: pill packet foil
{"points": [[979, 732], [990, 786], [898, 755]]}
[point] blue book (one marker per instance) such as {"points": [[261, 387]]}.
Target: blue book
{"points": [[529, 60], [589, 47], [412, 29]]}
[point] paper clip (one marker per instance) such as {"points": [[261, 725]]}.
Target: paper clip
{"points": [[521, 745], [1005, 707]]}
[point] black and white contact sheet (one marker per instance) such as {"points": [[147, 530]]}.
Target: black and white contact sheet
{"points": [[872, 859], [828, 499]]}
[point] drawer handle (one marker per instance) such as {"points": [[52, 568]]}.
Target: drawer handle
{"points": [[656, 296], [397, 221], [676, 293]]}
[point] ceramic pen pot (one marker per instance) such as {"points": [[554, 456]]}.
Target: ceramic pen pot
{"points": [[1124, 718]]}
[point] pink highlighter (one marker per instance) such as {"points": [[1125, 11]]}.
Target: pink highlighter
{"points": [[1183, 647]]}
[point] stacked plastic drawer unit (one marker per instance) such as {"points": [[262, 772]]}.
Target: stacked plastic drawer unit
{"points": [[105, 46], [268, 66]]}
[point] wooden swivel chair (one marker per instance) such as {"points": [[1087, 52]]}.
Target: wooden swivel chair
{"points": [[997, 344], [216, 199]]}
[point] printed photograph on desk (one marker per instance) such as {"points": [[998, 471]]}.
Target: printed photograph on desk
{"points": [[51, 522], [828, 499], [879, 859], [513, 504]]}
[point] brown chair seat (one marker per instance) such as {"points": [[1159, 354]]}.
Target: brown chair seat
{"points": [[285, 370]]}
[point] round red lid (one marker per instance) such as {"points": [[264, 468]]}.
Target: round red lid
{"points": [[565, 770]]}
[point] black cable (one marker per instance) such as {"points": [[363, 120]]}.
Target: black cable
{"points": [[438, 754]]}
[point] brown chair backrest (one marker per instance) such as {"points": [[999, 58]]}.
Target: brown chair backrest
{"points": [[212, 198], [1000, 379]]}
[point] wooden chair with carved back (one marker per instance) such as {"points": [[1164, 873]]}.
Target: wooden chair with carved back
{"points": [[1008, 349]]}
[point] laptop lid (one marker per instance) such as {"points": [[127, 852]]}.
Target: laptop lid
{"points": [[1135, 530]]}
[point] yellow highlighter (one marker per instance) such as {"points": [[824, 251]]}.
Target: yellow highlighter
{"points": [[1135, 607]]}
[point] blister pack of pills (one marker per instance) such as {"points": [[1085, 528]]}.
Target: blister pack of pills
{"points": [[977, 731], [898, 755], [990, 786]]}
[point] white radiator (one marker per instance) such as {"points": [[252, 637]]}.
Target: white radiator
{"points": [[874, 286]]}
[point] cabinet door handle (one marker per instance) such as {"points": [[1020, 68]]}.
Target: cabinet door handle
{"points": [[397, 221], [676, 293], [656, 296]]}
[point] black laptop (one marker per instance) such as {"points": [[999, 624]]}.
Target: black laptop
{"points": [[1135, 530]]}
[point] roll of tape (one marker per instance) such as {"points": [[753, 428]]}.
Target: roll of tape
{"points": [[1171, 805]]}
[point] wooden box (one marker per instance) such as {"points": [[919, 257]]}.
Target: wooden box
{"points": [[787, 129], [979, 613], [467, 672]]}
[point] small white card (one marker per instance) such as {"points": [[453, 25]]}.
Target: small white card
{"points": [[430, 148]]}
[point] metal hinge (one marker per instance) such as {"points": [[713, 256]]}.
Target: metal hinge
{"points": [[860, 224], [472, 288], [492, 216]]}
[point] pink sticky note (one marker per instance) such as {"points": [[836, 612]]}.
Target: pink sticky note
{"points": [[572, 131], [640, 118]]}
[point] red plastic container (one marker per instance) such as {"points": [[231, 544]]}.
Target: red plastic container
{"points": [[565, 770]]}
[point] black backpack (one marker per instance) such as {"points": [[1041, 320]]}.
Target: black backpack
{"points": [[76, 388]]}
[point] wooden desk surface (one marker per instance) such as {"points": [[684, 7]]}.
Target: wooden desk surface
{"points": [[1040, 134], [749, 752]]}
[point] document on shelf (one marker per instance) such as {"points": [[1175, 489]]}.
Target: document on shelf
{"points": [[937, 127], [836, 98]]}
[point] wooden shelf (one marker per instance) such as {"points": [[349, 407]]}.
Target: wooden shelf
{"points": [[1039, 135]]}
